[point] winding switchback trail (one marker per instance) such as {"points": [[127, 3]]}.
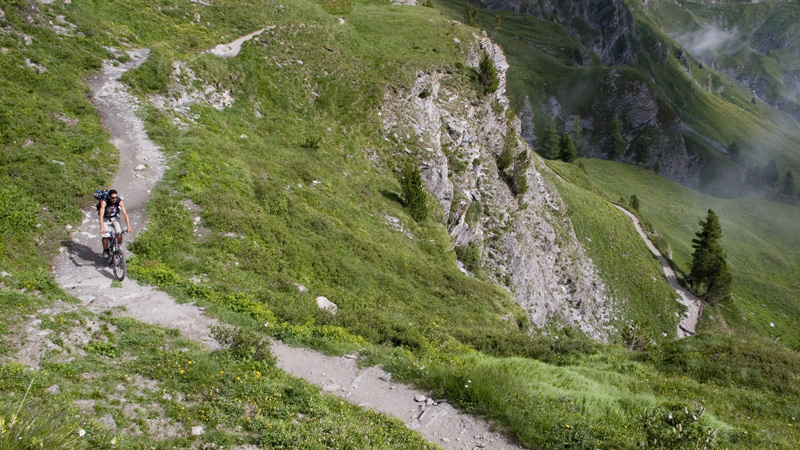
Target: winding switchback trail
{"points": [[82, 272], [80, 268], [694, 307]]}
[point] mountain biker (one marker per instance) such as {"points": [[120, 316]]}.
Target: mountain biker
{"points": [[110, 207]]}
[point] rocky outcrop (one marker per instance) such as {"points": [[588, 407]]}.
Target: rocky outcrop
{"points": [[650, 129], [605, 27], [525, 242]]}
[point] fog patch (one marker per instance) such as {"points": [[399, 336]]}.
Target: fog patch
{"points": [[708, 42]]}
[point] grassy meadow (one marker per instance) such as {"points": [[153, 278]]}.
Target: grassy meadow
{"points": [[760, 238], [294, 183]]}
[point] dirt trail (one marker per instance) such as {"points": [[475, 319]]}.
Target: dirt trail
{"points": [[80, 270], [438, 421], [694, 307]]}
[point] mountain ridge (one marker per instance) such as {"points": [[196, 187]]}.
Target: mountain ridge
{"points": [[282, 187]]}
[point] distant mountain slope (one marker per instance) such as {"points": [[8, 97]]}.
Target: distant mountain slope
{"points": [[674, 113], [757, 43]]}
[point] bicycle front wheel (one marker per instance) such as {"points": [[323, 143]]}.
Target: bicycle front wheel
{"points": [[119, 265]]}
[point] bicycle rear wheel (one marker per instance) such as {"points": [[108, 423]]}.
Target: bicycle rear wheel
{"points": [[119, 265]]}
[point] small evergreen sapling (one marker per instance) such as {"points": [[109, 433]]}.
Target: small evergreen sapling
{"points": [[787, 188], [548, 142], [615, 146], [470, 14], [520, 181], [487, 75], [567, 151], [495, 26], [414, 197]]}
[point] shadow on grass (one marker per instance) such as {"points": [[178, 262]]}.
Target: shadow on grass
{"points": [[392, 196]]}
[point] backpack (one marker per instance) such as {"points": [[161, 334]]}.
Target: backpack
{"points": [[100, 195]]}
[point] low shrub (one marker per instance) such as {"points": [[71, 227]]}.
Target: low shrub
{"points": [[677, 426], [245, 344], [470, 256]]}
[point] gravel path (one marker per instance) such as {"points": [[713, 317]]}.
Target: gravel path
{"points": [[694, 307], [80, 270], [232, 49], [371, 387]]}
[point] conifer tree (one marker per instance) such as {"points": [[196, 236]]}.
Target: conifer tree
{"points": [[470, 14], [615, 146], [520, 181], [414, 197], [709, 275], [577, 131], [735, 152], [548, 140], [634, 202], [487, 75], [506, 158], [567, 151], [495, 26], [770, 173]]}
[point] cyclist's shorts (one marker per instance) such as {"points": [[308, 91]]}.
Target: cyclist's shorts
{"points": [[112, 222]]}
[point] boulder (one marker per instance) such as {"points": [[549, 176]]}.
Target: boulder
{"points": [[327, 305]]}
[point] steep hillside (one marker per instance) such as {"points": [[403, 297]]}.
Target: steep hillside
{"points": [[755, 43], [671, 113], [760, 239], [674, 114], [281, 185]]}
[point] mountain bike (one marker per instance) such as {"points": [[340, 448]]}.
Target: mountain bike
{"points": [[116, 258]]}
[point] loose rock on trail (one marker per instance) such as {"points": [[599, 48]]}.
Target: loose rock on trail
{"points": [[84, 274]]}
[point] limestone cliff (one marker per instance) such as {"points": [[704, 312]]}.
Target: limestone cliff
{"points": [[525, 242]]}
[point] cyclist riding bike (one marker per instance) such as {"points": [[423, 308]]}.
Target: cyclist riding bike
{"points": [[110, 207]]}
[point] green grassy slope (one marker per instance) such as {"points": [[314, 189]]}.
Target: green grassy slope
{"points": [[760, 237], [759, 44], [302, 200], [400, 299], [154, 386], [714, 110], [53, 151], [726, 113], [633, 275]]}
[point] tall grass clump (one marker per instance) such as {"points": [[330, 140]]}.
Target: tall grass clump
{"points": [[29, 424]]}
